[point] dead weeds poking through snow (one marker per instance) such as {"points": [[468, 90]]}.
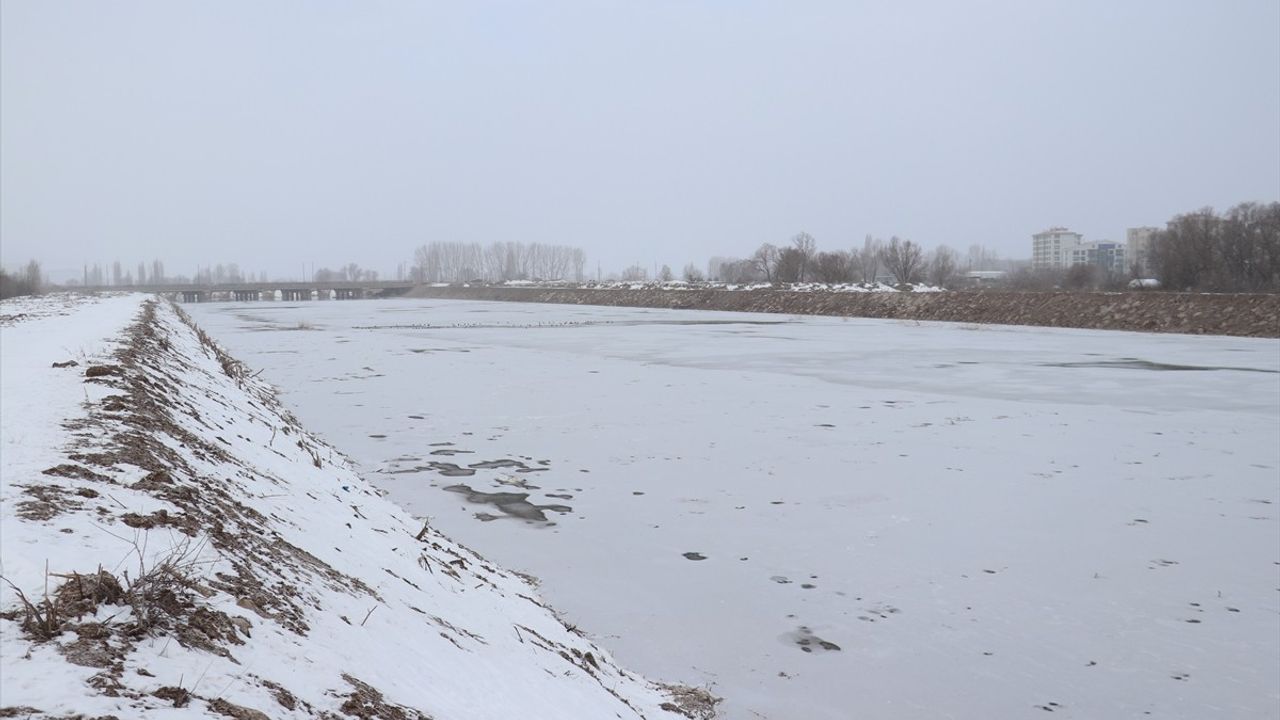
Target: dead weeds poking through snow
{"points": [[691, 702], [156, 596]]}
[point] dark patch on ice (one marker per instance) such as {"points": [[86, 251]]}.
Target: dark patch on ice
{"points": [[1139, 364], [513, 504], [495, 464], [806, 640], [450, 451], [451, 470], [694, 556], [780, 579]]}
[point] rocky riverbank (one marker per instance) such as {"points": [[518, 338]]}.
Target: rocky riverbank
{"points": [[1256, 315]]}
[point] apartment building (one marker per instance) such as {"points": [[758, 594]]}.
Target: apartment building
{"points": [[1059, 248], [1054, 248], [1138, 249]]}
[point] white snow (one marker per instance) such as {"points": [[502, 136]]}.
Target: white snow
{"points": [[346, 589], [996, 521]]}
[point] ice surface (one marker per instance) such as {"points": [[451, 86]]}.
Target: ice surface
{"points": [[829, 518]]}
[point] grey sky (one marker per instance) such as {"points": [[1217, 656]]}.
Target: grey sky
{"points": [[273, 134]]}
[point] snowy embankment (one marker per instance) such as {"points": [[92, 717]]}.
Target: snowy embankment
{"points": [[174, 544]]}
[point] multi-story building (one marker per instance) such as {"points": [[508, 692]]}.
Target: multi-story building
{"points": [[1053, 249], [1108, 256], [1058, 249], [1138, 249]]}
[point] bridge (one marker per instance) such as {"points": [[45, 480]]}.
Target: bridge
{"points": [[283, 290]]}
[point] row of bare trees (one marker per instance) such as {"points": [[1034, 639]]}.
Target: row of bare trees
{"points": [[217, 274], [898, 260], [153, 273], [351, 272], [497, 262], [27, 281], [120, 275], [1238, 251]]}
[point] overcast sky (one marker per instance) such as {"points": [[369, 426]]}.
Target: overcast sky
{"points": [[276, 134]]}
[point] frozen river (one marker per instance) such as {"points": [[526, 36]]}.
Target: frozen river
{"points": [[827, 518]]}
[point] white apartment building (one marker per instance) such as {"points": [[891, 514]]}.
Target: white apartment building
{"points": [[1054, 248], [1058, 249], [1138, 249]]}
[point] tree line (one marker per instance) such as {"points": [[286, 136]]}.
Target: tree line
{"points": [[497, 262], [118, 275], [898, 260], [27, 281], [1238, 251]]}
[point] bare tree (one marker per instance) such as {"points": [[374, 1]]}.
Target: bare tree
{"points": [[740, 271], [1235, 252], [943, 266], [805, 247], [498, 262], [866, 261], [765, 260], [904, 259], [832, 267], [27, 282], [980, 257], [790, 265], [665, 275], [635, 273], [716, 267], [692, 273]]}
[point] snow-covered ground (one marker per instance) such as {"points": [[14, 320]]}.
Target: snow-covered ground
{"points": [[833, 518], [185, 549]]}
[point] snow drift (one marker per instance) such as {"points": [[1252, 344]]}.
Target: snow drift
{"points": [[174, 544]]}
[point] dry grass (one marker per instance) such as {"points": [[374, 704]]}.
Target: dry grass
{"points": [[691, 702]]}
